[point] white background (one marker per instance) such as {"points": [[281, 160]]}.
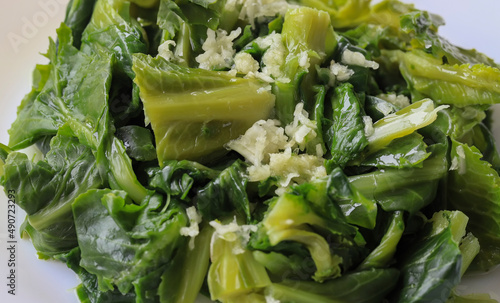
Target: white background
{"points": [[24, 28]]}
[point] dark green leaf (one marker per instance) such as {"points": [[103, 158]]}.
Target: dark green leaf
{"points": [[112, 28], [78, 14], [331, 242], [473, 188], [432, 267], [178, 178], [225, 196], [347, 132], [46, 189], [378, 108], [88, 291], [186, 22], [383, 255], [68, 87], [357, 209], [138, 142], [408, 151], [407, 189], [369, 286], [120, 242]]}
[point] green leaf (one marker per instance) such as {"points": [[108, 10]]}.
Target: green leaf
{"points": [[473, 188], [382, 256], [310, 218], [281, 266], [121, 242], [306, 30], [470, 248], [120, 172], [40, 76], [408, 151], [307, 34], [433, 265], [402, 123], [388, 14], [369, 286], [378, 108], [482, 138], [344, 13], [371, 37], [78, 14], [186, 22], [179, 178], [231, 277], [146, 3], [46, 189], [460, 85], [225, 196], [357, 209], [112, 28], [172, 96], [407, 189], [422, 28], [347, 134], [183, 279], [68, 87], [88, 291], [138, 142], [459, 122], [471, 298]]}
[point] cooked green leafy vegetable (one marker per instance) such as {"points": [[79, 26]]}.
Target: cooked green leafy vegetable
{"points": [[259, 151]]}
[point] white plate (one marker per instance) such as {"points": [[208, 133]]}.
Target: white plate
{"points": [[24, 28]]}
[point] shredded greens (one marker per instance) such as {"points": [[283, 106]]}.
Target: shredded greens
{"points": [[259, 151]]}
